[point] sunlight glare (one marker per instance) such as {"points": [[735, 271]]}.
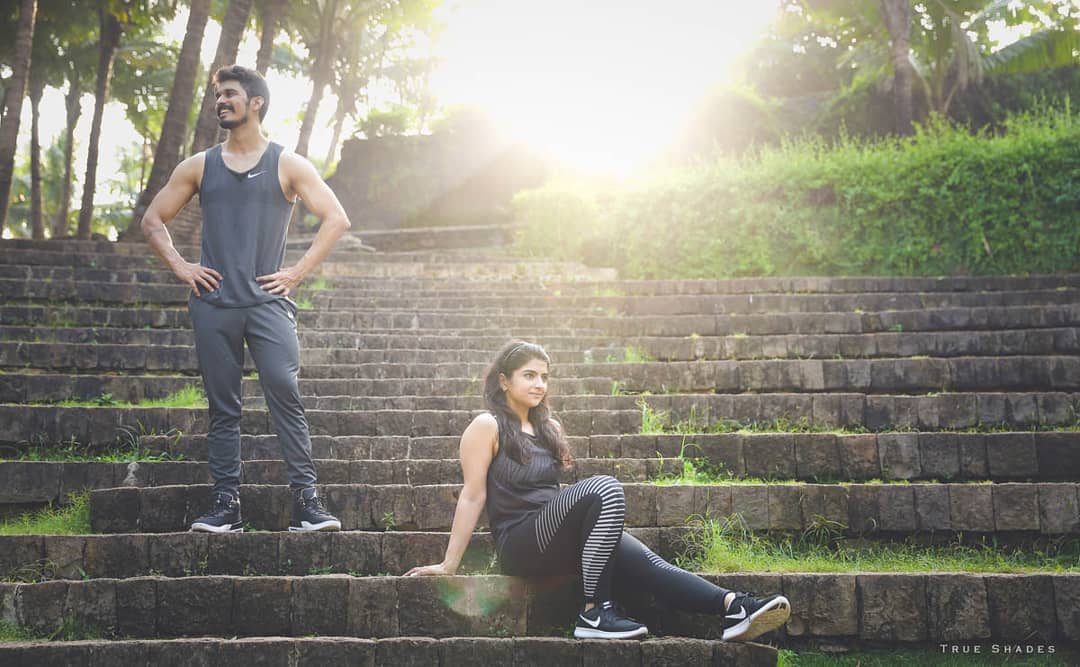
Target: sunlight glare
{"points": [[600, 85]]}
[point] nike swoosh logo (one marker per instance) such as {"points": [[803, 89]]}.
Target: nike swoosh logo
{"points": [[738, 617], [256, 174], [594, 624]]}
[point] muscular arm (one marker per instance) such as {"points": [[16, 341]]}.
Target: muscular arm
{"points": [[167, 203], [303, 180], [477, 450]]}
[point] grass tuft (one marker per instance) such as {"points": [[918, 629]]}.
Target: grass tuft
{"points": [[71, 519]]}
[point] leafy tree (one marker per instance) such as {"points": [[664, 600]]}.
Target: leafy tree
{"points": [[232, 30], [14, 91], [175, 122]]}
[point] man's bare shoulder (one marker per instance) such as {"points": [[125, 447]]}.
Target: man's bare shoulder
{"points": [[296, 165], [191, 169]]}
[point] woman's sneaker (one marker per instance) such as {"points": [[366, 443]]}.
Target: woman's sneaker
{"points": [[604, 622], [748, 617], [223, 516], [309, 514]]}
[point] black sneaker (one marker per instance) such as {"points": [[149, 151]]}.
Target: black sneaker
{"points": [[308, 512], [748, 617], [604, 622], [223, 516]]}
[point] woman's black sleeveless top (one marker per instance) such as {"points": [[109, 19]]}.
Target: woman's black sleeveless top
{"points": [[516, 491]]}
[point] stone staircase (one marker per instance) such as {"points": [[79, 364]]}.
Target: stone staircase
{"points": [[892, 408]]}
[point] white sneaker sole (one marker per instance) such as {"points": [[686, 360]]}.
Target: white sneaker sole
{"points": [[207, 528], [766, 619], [306, 527], [589, 633]]}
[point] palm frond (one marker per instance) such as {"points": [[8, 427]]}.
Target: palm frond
{"points": [[1040, 50]]}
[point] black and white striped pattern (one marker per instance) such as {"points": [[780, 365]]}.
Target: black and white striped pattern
{"points": [[605, 533]]}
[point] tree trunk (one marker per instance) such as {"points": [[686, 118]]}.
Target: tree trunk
{"points": [[897, 16], [37, 216], [320, 76], [339, 123], [272, 13], [232, 29], [74, 110], [108, 41], [174, 127], [14, 92]]}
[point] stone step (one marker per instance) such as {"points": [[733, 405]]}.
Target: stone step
{"points": [[812, 457], [916, 607], [413, 323], [420, 651], [895, 375], [175, 293], [413, 348], [886, 509], [594, 415]]}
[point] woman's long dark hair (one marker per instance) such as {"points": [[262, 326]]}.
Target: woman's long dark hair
{"points": [[548, 430]]}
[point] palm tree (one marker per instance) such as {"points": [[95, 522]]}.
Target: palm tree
{"points": [[174, 128], [13, 97], [273, 13], [111, 29], [232, 30]]}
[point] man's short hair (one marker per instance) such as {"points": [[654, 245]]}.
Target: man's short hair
{"points": [[251, 81]]}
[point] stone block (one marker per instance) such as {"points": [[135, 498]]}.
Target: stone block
{"points": [[317, 605], [932, 507], [1067, 601], [859, 456], [391, 506], [194, 606], [115, 510], [785, 506], [822, 605], [893, 607], [769, 456], [817, 457], [939, 455], [476, 651], [641, 505], [262, 605], [1058, 455], [373, 607], [544, 651], [435, 506], [1011, 455], [136, 607], [40, 607], [243, 554], [336, 651], [1011, 618], [973, 461], [407, 652], [301, 554], [1016, 507], [64, 553], [896, 507], [357, 552], [610, 652], [863, 513], [971, 507], [21, 557], [957, 607], [751, 502], [118, 556], [899, 454], [1059, 509], [675, 505], [676, 652], [177, 554], [462, 606], [164, 509]]}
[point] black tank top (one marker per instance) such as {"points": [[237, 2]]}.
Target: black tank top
{"points": [[515, 491], [245, 219]]}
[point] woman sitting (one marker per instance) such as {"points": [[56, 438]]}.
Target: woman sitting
{"points": [[511, 457]]}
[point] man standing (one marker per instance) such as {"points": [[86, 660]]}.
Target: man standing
{"points": [[240, 292]]}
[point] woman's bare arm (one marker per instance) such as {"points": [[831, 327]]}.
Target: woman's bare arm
{"points": [[478, 446]]}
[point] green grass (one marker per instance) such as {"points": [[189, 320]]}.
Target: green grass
{"points": [[126, 449], [190, 396], [788, 658], [72, 519], [634, 355], [319, 283], [305, 304], [69, 630], [728, 546]]}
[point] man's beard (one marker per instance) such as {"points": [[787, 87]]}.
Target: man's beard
{"points": [[232, 124]]}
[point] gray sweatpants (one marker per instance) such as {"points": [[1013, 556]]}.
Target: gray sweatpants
{"points": [[270, 331]]}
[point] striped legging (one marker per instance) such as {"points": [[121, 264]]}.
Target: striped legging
{"points": [[581, 530]]}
